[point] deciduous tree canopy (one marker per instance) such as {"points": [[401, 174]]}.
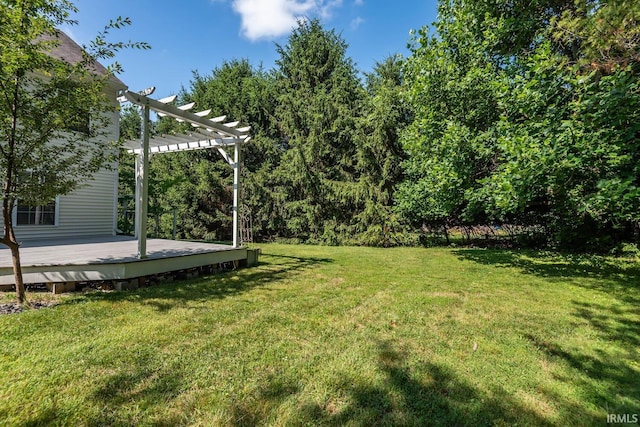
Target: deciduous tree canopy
{"points": [[527, 118]]}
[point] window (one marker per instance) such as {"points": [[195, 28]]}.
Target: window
{"points": [[79, 122], [27, 212], [36, 215], [78, 114]]}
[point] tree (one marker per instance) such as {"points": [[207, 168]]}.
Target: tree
{"points": [[380, 154], [317, 109], [602, 35], [47, 145], [527, 118], [450, 85], [248, 94], [567, 152], [130, 129]]}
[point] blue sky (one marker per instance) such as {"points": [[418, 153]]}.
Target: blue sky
{"points": [[200, 35]]}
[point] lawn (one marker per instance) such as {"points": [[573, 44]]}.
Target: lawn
{"points": [[339, 336]]}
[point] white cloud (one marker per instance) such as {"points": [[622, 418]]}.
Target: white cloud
{"points": [[274, 18], [355, 23], [358, 2], [325, 7]]}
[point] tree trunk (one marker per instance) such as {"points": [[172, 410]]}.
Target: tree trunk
{"points": [[17, 273], [9, 240], [446, 235], [8, 200]]}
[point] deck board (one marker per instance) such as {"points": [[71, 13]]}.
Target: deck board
{"points": [[110, 258]]}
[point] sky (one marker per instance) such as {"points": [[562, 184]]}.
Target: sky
{"points": [[199, 35]]}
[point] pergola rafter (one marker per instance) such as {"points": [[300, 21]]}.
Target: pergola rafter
{"points": [[205, 134]]}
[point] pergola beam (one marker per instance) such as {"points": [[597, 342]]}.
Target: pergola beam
{"points": [[176, 113], [173, 144], [236, 193]]}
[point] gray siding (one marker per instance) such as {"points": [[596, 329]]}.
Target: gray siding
{"points": [[91, 210], [88, 211]]}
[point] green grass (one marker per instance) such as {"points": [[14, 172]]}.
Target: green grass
{"points": [[339, 336]]}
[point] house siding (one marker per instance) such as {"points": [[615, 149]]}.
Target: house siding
{"points": [[88, 211], [91, 210]]}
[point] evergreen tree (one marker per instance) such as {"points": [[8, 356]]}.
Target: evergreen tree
{"points": [[380, 155], [317, 109], [198, 185]]}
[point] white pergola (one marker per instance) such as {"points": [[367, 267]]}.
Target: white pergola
{"points": [[205, 133]]}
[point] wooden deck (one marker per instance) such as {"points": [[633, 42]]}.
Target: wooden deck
{"points": [[110, 258]]}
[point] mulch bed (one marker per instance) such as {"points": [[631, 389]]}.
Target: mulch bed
{"points": [[12, 308]]}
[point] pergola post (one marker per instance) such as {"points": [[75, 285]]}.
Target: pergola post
{"points": [[142, 187], [204, 133], [136, 199], [236, 194]]}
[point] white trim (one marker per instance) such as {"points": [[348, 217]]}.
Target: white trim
{"points": [[116, 176], [176, 113], [236, 194]]}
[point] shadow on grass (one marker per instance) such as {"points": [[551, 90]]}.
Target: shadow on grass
{"points": [[614, 323], [434, 396], [606, 381], [126, 396], [272, 392], [608, 377], [147, 384], [146, 389], [605, 371], [166, 296], [617, 277], [141, 388]]}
